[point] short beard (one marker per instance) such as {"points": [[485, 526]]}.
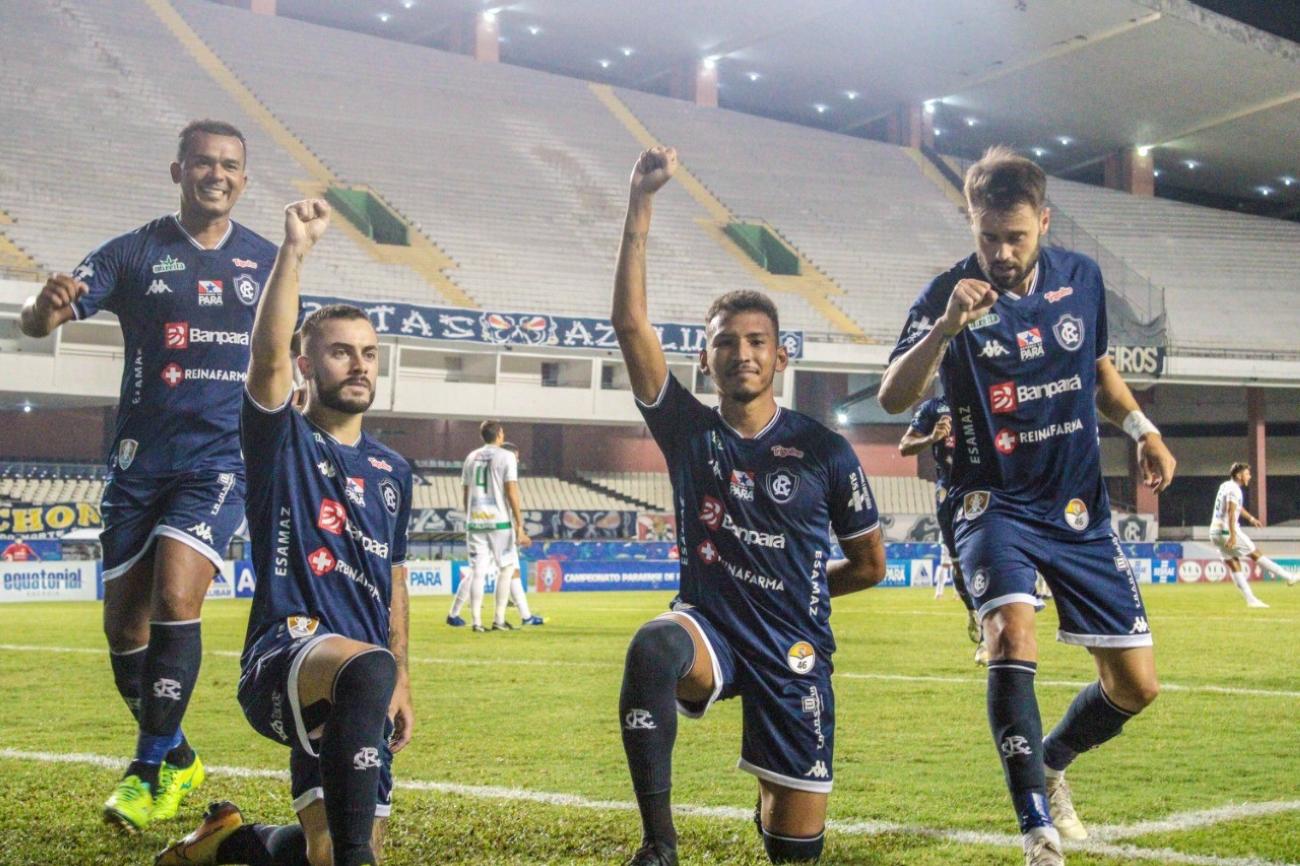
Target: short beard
{"points": [[1017, 277], [332, 398]]}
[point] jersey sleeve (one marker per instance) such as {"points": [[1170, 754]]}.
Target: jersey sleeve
{"points": [[511, 468], [263, 433], [852, 507], [467, 473], [927, 309], [673, 415], [103, 270], [924, 420], [403, 530]]}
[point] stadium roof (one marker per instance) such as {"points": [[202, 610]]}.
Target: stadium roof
{"points": [[1216, 99]]}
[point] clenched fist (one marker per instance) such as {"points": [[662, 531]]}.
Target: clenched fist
{"points": [[970, 300], [59, 291], [654, 168], [304, 223], [942, 428]]}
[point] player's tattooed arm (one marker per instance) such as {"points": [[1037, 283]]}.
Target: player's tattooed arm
{"points": [[270, 368], [911, 374], [51, 306], [1115, 401], [914, 441], [642, 353], [400, 709], [863, 566]]}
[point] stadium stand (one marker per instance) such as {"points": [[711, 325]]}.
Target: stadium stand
{"points": [[538, 492], [47, 483]]}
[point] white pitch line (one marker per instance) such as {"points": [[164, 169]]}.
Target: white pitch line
{"points": [[1183, 821], [843, 675]]}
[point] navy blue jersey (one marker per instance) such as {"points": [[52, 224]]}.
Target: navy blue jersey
{"points": [[186, 315], [754, 518], [328, 522], [1021, 381], [927, 415]]}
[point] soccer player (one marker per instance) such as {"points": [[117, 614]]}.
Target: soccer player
{"points": [[1233, 544], [1017, 332], [494, 530], [184, 288], [324, 666], [931, 428], [758, 490]]}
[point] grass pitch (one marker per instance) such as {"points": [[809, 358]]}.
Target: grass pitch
{"points": [[517, 757]]}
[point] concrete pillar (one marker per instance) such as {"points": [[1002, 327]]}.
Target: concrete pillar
{"points": [[477, 35], [910, 126], [262, 7], [1129, 171], [1255, 432], [695, 81]]}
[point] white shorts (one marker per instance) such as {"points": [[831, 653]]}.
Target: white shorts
{"points": [[1244, 546], [492, 548]]}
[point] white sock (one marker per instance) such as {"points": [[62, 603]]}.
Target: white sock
{"points": [[1273, 568], [503, 593], [517, 595], [476, 596], [462, 596], [1239, 578], [940, 580]]}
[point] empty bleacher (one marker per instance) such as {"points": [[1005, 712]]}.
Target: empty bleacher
{"points": [[49, 483], [538, 492]]}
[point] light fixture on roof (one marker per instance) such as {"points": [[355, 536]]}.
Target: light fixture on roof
{"points": [[1156, 173], [938, 132], [27, 408], [489, 15], [1038, 152], [821, 107], [1287, 180], [407, 4], [931, 105], [1144, 150], [851, 94], [627, 52], [711, 62], [1191, 163], [841, 417], [534, 29], [384, 17], [604, 63], [753, 76], [1265, 190], [970, 121], [1065, 140]]}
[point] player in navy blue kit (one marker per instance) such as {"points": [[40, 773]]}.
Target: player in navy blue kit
{"points": [[758, 490], [184, 288], [324, 663], [931, 428], [1017, 332]]}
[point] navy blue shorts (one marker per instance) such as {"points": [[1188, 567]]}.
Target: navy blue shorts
{"points": [[788, 716], [203, 510], [944, 515], [1098, 602], [268, 694]]}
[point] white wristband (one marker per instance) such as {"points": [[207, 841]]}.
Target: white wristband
{"points": [[1137, 425]]}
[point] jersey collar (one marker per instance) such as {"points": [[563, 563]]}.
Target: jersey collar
{"points": [[334, 438], [230, 229], [760, 434]]}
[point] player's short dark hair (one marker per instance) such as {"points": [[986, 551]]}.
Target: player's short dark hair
{"points": [[1002, 180], [208, 127], [1237, 467], [489, 430], [312, 325], [744, 301], [295, 344]]}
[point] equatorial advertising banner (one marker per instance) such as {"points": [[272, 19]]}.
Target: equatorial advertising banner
{"points": [[37, 581], [552, 575]]}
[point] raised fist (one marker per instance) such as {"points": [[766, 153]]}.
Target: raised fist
{"points": [[305, 221], [942, 428], [654, 168], [970, 300], [59, 291]]}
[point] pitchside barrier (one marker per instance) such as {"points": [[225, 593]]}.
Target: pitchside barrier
{"points": [[907, 565]]}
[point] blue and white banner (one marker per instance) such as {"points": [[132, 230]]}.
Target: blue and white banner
{"points": [[36, 581], [492, 328], [571, 523], [898, 572], [551, 575]]}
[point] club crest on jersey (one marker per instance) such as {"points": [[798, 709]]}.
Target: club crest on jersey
{"points": [[974, 504], [244, 263], [786, 451], [246, 289], [781, 485], [742, 484], [356, 491], [381, 464], [302, 626], [1058, 294], [1076, 515], [801, 657], [1069, 332], [979, 583], [167, 265], [1030, 343], [388, 493], [210, 293], [711, 512], [158, 287], [126, 452]]}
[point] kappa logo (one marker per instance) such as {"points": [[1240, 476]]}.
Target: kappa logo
{"points": [[742, 484], [1140, 626], [381, 464], [332, 516], [979, 583], [711, 512], [818, 771], [321, 561], [167, 265], [993, 349], [244, 263], [367, 758], [126, 450], [781, 485], [974, 504], [708, 552], [1069, 332], [278, 727], [389, 494], [1030, 343], [639, 720], [158, 287], [201, 530], [1015, 745], [210, 293], [356, 491], [246, 289], [168, 689], [176, 335], [173, 374], [786, 451], [326, 468], [1058, 294]]}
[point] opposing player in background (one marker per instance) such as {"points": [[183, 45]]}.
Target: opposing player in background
{"points": [[1018, 335], [324, 667], [184, 288], [931, 428], [1233, 543], [494, 531], [758, 490]]}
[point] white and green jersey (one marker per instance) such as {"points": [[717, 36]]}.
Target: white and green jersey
{"points": [[1229, 491], [485, 473]]}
